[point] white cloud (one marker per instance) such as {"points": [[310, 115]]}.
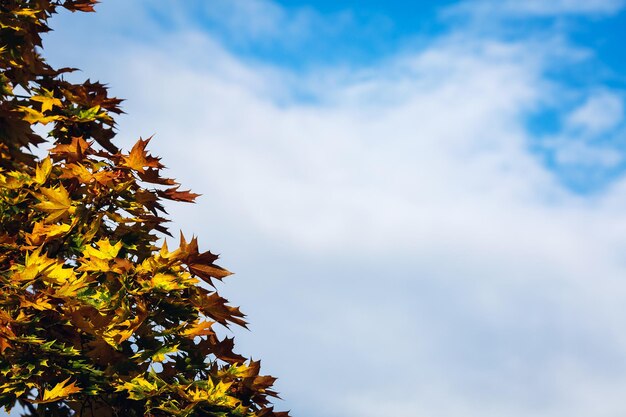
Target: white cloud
{"points": [[557, 7], [398, 248], [590, 137], [537, 8], [601, 112], [579, 153], [250, 24], [242, 20]]}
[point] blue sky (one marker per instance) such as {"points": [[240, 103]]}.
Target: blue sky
{"points": [[424, 205], [304, 36]]}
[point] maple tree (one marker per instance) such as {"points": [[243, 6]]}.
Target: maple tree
{"points": [[96, 319]]}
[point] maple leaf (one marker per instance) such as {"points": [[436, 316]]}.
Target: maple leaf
{"points": [[153, 176], [5, 84], [78, 171], [138, 158], [100, 259], [80, 5], [71, 287], [41, 303], [201, 263], [59, 391], [175, 195], [214, 394], [34, 264], [4, 344], [222, 349], [208, 271], [161, 354], [55, 201], [138, 388], [216, 308], [105, 250], [47, 102], [42, 232], [114, 336], [166, 282], [76, 150], [199, 329], [33, 116], [43, 171]]}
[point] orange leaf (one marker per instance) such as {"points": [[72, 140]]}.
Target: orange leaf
{"points": [[138, 158], [73, 151]]}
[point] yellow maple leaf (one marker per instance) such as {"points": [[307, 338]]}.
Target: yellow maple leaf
{"points": [[216, 394], [196, 395], [138, 388], [43, 171], [33, 116], [47, 102], [41, 303], [50, 270], [161, 354], [115, 335], [55, 201], [98, 259], [57, 274], [35, 264], [121, 329], [165, 282], [14, 180], [199, 329], [71, 287], [42, 233], [94, 265], [59, 391], [28, 273], [105, 250]]}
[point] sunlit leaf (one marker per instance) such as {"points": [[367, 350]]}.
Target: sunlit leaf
{"points": [[43, 171], [56, 202], [47, 102], [33, 116], [59, 391]]}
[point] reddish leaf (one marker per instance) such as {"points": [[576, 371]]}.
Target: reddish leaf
{"points": [[173, 194]]}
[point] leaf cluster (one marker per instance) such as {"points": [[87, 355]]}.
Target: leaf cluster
{"points": [[96, 319]]}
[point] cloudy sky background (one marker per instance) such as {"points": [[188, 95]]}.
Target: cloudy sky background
{"points": [[424, 205]]}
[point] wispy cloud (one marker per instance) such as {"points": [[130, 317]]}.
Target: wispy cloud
{"points": [[538, 8], [601, 112]]}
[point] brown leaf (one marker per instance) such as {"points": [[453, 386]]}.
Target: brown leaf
{"points": [[80, 5], [222, 349], [73, 151], [201, 264], [152, 176], [216, 308], [175, 195]]}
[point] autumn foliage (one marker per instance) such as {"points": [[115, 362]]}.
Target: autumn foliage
{"points": [[95, 318]]}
